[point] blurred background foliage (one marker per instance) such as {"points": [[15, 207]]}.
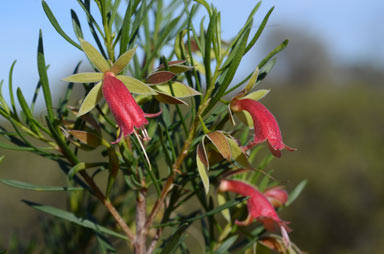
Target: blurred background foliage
{"points": [[332, 113]]}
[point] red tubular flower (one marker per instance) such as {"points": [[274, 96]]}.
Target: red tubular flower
{"points": [[277, 196], [259, 208], [124, 108], [265, 125]]}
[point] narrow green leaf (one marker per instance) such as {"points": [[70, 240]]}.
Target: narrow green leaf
{"points": [[266, 69], [94, 56], [34, 187], [92, 98], [44, 77], [123, 61], [11, 96], [24, 106], [75, 169], [125, 27], [259, 30], [179, 90], [218, 209], [2, 158], [84, 77], [105, 246], [223, 249], [296, 192], [273, 53], [76, 25], [5, 109], [221, 201], [113, 167], [207, 49], [160, 42], [206, 5], [229, 73], [174, 241], [72, 218], [56, 25], [202, 166], [136, 86]]}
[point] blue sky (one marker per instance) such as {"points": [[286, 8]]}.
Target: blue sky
{"points": [[351, 30]]}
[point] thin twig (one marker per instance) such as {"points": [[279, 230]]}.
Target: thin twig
{"points": [[112, 210]]}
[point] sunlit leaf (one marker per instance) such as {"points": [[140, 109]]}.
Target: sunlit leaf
{"points": [[136, 86], [237, 153], [221, 200], [257, 95], [219, 140], [252, 80], [179, 90], [202, 166], [92, 98], [84, 77], [94, 56]]}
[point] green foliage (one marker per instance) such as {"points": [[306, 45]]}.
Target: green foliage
{"points": [[152, 173]]}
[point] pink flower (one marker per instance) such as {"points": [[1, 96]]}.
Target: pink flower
{"points": [[277, 196], [265, 125], [259, 208], [124, 108]]}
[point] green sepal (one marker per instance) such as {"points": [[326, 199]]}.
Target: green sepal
{"points": [[257, 95], [136, 86], [179, 90], [85, 77], [94, 56], [92, 98], [123, 61]]}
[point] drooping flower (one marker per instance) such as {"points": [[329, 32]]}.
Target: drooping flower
{"points": [[124, 108], [259, 208], [276, 195], [265, 125]]}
